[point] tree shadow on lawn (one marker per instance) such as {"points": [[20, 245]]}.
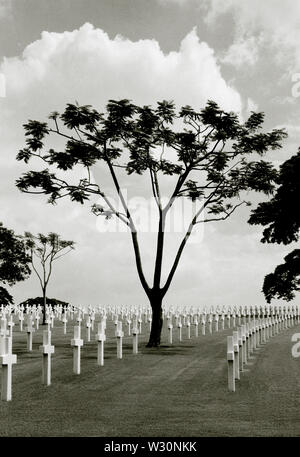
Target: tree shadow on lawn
{"points": [[168, 350], [110, 352]]}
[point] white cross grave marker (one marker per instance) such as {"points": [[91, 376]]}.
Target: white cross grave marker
{"points": [[179, 325], [37, 320], [101, 338], [135, 337], [3, 327], [92, 316], [216, 322], [29, 330], [230, 363], [140, 320], [244, 343], [236, 355], [196, 323], [88, 325], [210, 320], [119, 334], [188, 325], [10, 325], [77, 342], [7, 359], [170, 328], [47, 349], [64, 321], [203, 322], [21, 319], [241, 352], [128, 321]]}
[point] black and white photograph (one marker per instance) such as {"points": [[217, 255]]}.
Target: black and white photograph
{"points": [[149, 222]]}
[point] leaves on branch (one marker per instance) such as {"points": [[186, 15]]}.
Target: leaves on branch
{"points": [[261, 176], [78, 195], [143, 134], [254, 121], [192, 191], [168, 168], [5, 297], [166, 111], [13, 258], [280, 214], [82, 152], [281, 218], [188, 147], [38, 179], [187, 112], [36, 129], [24, 154], [80, 116], [259, 142], [285, 280], [63, 160]]}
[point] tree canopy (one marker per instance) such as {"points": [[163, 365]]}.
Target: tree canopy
{"points": [[53, 302], [5, 297], [281, 217], [285, 280], [208, 152], [14, 261]]}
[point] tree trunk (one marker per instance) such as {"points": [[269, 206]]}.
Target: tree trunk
{"points": [[157, 322], [44, 306]]}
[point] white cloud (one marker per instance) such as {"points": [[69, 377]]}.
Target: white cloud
{"points": [[215, 8], [277, 20], [88, 65], [251, 106], [242, 52]]}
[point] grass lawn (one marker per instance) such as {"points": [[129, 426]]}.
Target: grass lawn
{"points": [[178, 390]]}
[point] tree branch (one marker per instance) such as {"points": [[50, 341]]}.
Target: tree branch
{"points": [[223, 218], [184, 241]]}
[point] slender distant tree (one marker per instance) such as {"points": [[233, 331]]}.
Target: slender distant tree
{"points": [[207, 152], [45, 249], [14, 262], [281, 218]]}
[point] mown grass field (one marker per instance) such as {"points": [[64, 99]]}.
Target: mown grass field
{"points": [[178, 390]]}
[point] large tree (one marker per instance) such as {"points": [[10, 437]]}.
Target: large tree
{"points": [[14, 262], [207, 152], [45, 249], [281, 218]]}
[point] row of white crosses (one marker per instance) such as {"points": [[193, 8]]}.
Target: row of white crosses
{"points": [[7, 359], [77, 341], [192, 318], [219, 318], [32, 316], [257, 331], [132, 316]]}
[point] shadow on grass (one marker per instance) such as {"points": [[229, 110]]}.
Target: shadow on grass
{"points": [[168, 350]]}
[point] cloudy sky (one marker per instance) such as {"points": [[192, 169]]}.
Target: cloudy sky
{"points": [[244, 54]]}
